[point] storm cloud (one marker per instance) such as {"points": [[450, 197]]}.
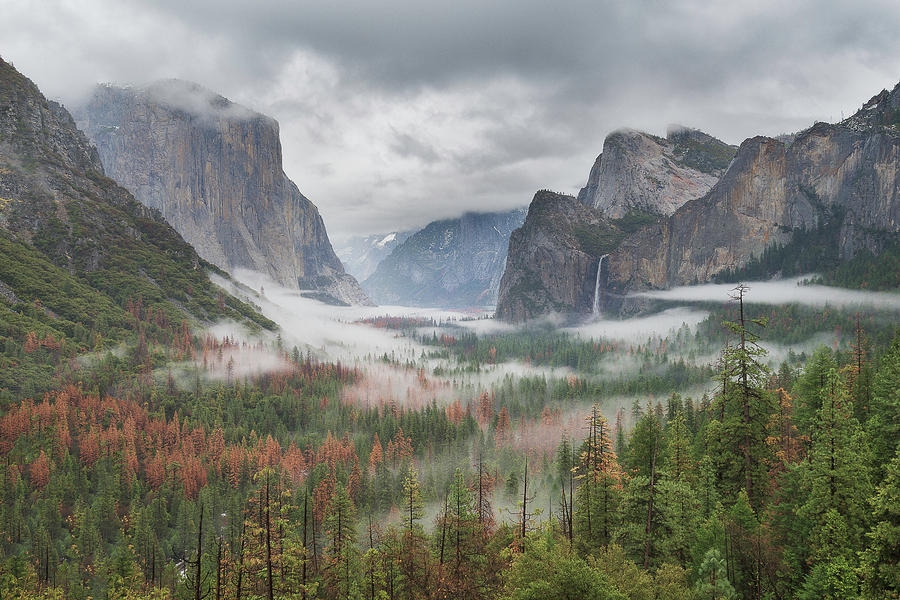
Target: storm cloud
{"points": [[400, 112]]}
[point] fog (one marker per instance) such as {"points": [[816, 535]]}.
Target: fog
{"points": [[783, 291], [195, 100], [407, 378], [331, 331], [639, 328], [397, 370], [334, 333]]}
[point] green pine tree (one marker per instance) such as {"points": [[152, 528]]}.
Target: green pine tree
{"points": [[881, 559]]}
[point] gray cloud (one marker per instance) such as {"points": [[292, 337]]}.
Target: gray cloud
{"points": [[406, 145], [395, 113]]}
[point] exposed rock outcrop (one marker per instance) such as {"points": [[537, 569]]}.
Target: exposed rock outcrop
{"points": [[638, 179], [639, 172], [552, 260], [454, 263], [214, 170], [741, 215], [770, 191], [76, 244]]}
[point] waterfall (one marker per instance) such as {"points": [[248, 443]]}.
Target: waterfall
{"points": [[596, 309]]}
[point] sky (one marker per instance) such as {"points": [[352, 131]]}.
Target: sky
{"points": [[399, 112]]}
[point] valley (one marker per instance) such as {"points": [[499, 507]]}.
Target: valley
{"points": [[678, 382]]}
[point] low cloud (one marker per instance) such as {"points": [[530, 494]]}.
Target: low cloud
{"points": [[492, 101], [640, 328], [784, 291]]}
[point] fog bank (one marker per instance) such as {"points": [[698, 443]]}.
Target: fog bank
{"points": [[785, 291]]}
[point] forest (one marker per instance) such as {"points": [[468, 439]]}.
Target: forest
{"points": [[128, 479], [199, 399]]}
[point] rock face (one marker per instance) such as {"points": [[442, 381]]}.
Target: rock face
{"points": [[214, 170], [552, 260], [361, 255], [740, 216], [771, 190], [76, 243], [639, 172], [455, 263], [638, 179]]}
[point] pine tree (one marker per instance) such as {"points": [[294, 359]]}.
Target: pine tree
{"points": [[642, 518], [548, 568], [860, 374], [811, 386], [599, 491], [712, 580], [787, 445], [413, 507], [837, 476], [566, 467], [461, 546], [881, 559], [884, 420], [341, 570], [744, 407], [677, 489]]}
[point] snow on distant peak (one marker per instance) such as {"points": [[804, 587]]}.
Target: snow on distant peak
{"points": [[386, 240]]}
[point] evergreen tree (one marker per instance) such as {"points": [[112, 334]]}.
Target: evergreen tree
{"points": [[811, 387], [884, 421], [837, 477], [548, 568], [743, 409], [712, 579], [677, 489], [341, 569], [413, 506], [881, 559], [598, 496]]}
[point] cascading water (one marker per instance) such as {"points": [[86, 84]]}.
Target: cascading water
{"points": [[596, 309]]}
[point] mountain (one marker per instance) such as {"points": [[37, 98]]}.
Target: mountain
{"points": [[639, 172], [795, 204], [842, 178], [214, 170], [83, 265], [551, 259], [361, 255], [637, 180], [455, 263]]}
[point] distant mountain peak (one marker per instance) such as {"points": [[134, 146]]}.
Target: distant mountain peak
{"points": [[641, 172], [881, 111], [452, 263]]}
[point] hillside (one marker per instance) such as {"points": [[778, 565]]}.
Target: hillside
{"points": [[214, 170], [842, 177], [77, 252]]}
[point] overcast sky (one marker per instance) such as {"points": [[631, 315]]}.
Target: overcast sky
{"points": [[397, 112]]}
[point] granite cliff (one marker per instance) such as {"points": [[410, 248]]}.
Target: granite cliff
{"points": [[552, 260], [637, 180], [842, 178], [641, 172], [454, 263], [771, 191], [76, 248], [214, 170]]}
